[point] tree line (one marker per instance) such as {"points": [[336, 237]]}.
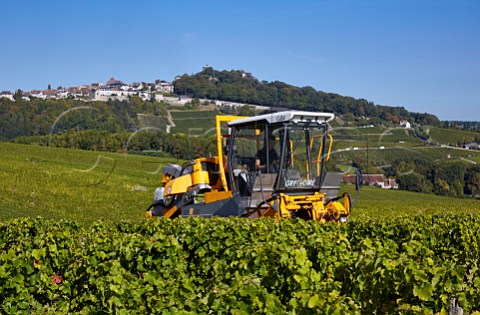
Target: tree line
{"points": [[461, 125], [146, 142], [39, 117], [112, 126], [445, 178], [237, 86]]}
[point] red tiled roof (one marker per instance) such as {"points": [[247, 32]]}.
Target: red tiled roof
{"points": [[367, 178]]}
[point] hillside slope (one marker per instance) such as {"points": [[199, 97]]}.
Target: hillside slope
{"points": [[239, 86]]}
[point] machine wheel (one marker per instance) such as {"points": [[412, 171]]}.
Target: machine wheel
{"points": [[169, 200]]}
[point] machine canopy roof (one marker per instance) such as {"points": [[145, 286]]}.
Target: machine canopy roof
{"points": [[286, 116]]}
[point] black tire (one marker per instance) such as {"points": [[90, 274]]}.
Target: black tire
{"points": [[169, 200]]}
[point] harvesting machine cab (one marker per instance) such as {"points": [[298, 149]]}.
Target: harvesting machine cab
{"points": [[270, 165]]}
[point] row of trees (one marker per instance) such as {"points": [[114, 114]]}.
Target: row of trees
{"points": [[149, 141], [461, 125], [236, 86], [444, 178], [42, 117]]}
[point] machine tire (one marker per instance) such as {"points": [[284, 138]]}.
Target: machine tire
{"points": [[169, 200]]}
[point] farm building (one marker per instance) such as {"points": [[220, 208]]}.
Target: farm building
{"points": [[373, 180], [472, 146]]}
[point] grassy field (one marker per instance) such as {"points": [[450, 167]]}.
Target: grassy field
{"points": [[377, 158], [87, 186], [193, 122], [80, 185], [374, 137], [452, 137], [381, 203], [152, 121]]}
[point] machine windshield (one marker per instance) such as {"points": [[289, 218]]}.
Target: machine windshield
{"points": [[289, 155], [302, 157]]}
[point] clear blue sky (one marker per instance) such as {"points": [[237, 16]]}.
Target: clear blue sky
{"points": [[420, 54]]}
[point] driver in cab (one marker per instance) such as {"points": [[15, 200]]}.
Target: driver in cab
{"points": [[261, 157]]}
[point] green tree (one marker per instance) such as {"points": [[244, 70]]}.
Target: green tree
{"points": [[472, 180], [442, 188], [476, 183], [18, 94], [414, 182]]}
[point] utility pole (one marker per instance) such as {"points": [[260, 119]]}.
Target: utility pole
{"points": [[367, 158]]}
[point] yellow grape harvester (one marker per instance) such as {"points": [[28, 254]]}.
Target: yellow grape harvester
{"points": [[271, 165]]}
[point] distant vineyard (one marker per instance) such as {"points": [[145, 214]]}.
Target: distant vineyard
{"points": [[150, 121], [120, 186], [380, 203], [379, 157], [194, 122], [453, 137], [81, 185]]}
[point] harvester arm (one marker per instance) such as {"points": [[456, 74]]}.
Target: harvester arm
{"points": [[358, 183], [220, 136]]}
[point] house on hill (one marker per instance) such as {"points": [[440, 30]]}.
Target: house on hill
{"points": [[113, 83], [372, 180], [44, 94], [7, 95], [164, 87], [405, 124], [472, 146]]}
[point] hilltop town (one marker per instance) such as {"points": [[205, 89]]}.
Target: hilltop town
{"points": [[112, 89]]}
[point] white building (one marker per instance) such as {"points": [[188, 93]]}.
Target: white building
{"points": [[164, 87], [39, 95], [106, 94], [121, 95], [145, 95], [472, 146], [7, 95], [63, 94]]}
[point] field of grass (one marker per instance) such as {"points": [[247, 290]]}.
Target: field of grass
{"points": [[374, 137], [193, 122], [376, 157], [59, 183], [84, 186], [382, 203], [452, 137], [153, 121]]}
